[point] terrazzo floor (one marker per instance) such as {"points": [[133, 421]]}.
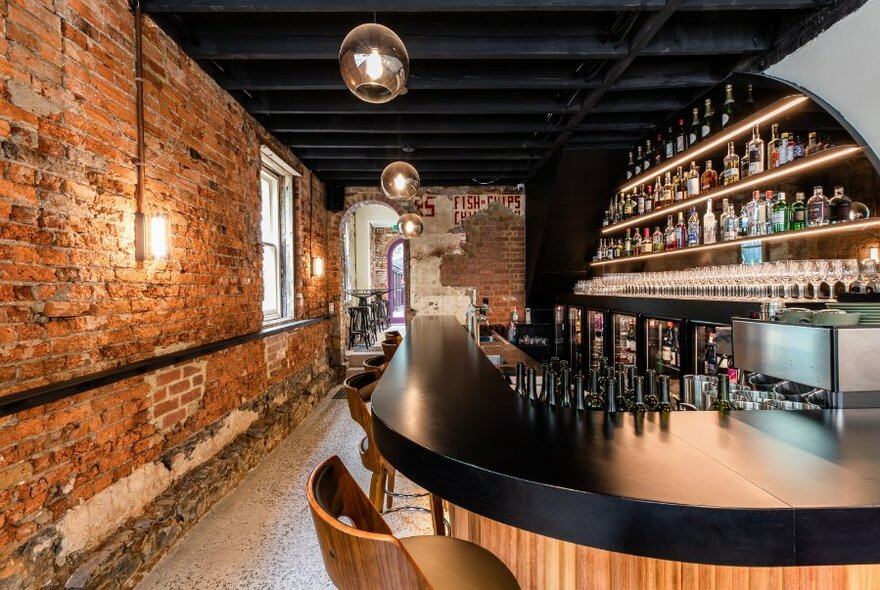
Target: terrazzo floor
{"points": [[261, 535]]}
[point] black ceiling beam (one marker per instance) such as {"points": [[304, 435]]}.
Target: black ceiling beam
{"points": [[420, 155], [359, 165], [647, 31], [435, 142], [426, 75], [368, 6], [353, 124], [423, 103]]}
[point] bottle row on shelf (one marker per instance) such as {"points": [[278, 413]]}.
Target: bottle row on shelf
{"points": [[767, 213], [685, 184]]}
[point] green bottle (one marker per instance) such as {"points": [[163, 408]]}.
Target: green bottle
{"points": [[781, 214], [798, 213], [638, 405], [722, 402], [664, 405]]}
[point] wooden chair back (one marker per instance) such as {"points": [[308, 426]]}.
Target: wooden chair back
{"points": [[360, 413], [375, 364], [359, 551], [389, 347]]}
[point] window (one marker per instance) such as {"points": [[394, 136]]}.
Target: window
{"points": [[276, 228]]}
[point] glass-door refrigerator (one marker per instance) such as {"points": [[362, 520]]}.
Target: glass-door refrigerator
{"points": [[594, 336], [560, 335], [624, 339], [575, 332], [663, 347], [712, 346]]}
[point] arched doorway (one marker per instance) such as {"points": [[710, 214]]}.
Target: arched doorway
{"points": [[396, 281]]}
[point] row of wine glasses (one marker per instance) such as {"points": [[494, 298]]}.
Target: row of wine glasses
{"points": [[791, 280]]}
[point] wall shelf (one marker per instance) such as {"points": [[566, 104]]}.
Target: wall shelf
{"points": [[793, 235], [786, 170], [717, 140]]}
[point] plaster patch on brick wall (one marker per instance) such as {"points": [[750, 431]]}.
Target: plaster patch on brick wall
{"points": [[86, 525]]}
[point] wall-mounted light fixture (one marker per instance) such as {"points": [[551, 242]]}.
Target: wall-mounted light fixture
{"points": [[160, 236], [317, 266], [874, 253]]}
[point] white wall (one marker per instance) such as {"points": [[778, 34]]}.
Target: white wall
{"points": [[378, 216], [842, 67]]}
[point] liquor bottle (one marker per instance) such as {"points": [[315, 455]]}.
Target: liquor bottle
{"points": [[798, 213], [679, 185], [627, 207], [648, 159], [693, 228], [669, 143], [768, 203], [669, 240], [664, 405], [841, 205], [637, 242], [731, 165], [729, 222], [722, 402], [681, 232], [782, 158], [709, 179], [708, 126], [618, 249], [667, 192], [744, 163], [639, 159], [773, 148], [818, 209], [756, 153], [638, 405], [749, 106], [710, 356], [758, 214], [579, 397], [744, 221], [813, 146], [630, 167], [790, 147], [781, 214], [628, 243], [799, 149], [640, 201], [658, 191], [652, 400], [657, 239], [666, 347], [729, 113], [650, 198], [647, 242], [659, 150], [693, 180], [694, 135], [680, 138], [710, 229]]}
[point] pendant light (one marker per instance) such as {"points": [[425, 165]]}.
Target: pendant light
{"points": [[410, 225], [400, 180], [374, 63]]}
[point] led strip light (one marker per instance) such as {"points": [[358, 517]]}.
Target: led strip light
{"points": [[751, 181]]}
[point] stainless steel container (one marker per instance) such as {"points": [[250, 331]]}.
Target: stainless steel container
{"points": [[694, 388]]}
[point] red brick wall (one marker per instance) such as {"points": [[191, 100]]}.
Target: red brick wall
{"points": [[74, 301]]}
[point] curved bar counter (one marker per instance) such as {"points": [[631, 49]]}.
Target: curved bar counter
{"points": [[772, 488]]}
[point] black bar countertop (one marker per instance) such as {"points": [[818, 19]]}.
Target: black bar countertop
{"points": [[760, 488]]}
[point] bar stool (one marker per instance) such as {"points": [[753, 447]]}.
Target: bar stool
{"points": [[375, 364], [389, 347], [360, 552], [358, 391], [393, 335], [359, 326]]}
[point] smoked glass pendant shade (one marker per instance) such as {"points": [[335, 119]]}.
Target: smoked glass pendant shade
{"points": [[400, 180], [410, 225], [374, 63]]}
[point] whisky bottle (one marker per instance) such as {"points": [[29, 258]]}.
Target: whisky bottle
{"points": [[628, 243], [627, 207], [669, 143], [693, 228], [630, 167], [647, 245], [649, 200], [679, 185], [680, 138], [693, 180], [773, 148], [709, 179], [637, 242], [813, 146], [744, 164], [841, 205], [710, 229], [782, 158], [798, 212], [728, 115], [756, 153], [669, 240], [818, 209], [681, 232], [731, 165], [639, 159], [658, 194], [667, 192], [649, 156], [781, 214], [708, 120], [694, 135], [640, 201], [657, 238]]}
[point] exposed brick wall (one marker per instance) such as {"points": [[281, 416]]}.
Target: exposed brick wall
{"points": [[74, 301], [380, 240]]}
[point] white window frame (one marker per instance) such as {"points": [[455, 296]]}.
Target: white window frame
{"points": [[282, 175]]}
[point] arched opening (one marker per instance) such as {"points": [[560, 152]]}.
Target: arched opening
{"points": [[396, 282]]}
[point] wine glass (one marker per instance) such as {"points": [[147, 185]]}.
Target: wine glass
{"points": [[867, 274], [850, 273], [833, 276], [816, 270]]}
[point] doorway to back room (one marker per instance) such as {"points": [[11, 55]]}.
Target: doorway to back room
{"points": [[396, 282]]}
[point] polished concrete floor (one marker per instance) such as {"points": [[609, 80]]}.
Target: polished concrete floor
{"points": [[261, 535]]}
